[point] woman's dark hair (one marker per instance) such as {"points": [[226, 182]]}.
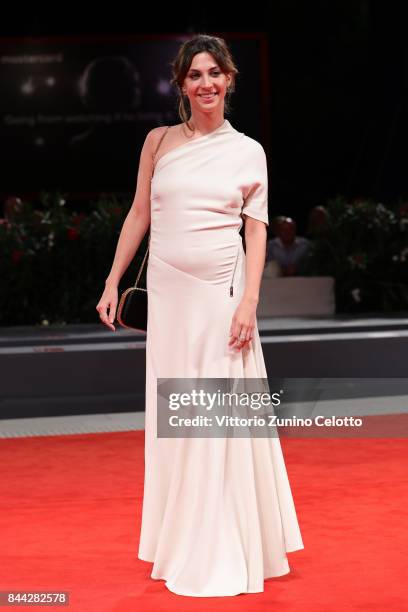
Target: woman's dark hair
{"points": [[201, 43]]}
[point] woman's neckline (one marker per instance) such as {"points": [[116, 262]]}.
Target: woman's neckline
{"points": [[225, 124]]}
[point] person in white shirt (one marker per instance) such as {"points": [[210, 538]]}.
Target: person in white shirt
{"points": [[288, 249]]}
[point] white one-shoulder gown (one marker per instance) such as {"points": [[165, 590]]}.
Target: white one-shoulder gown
{"points": [[218, 514]]}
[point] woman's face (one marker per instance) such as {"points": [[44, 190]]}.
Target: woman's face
{"points": [[205, 84]]}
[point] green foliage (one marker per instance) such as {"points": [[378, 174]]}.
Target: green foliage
{"points": [[365, 248], [55, 260]]}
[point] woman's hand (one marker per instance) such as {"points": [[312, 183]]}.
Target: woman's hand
{"points": [[109, 300], [243, 323]]}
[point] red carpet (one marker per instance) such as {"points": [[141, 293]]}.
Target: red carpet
{"points": [[70, 518]]}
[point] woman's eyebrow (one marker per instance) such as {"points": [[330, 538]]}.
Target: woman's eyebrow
{"points": [[212, 68]]}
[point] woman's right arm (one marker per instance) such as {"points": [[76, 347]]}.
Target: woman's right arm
{"points": [[133, 230]]}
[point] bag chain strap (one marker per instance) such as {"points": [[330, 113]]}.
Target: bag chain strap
{"points": [[147, 250]]}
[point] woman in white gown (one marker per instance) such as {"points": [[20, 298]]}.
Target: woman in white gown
{"points": [[218, 514]]}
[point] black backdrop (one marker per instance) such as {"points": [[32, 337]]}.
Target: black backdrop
{"points": [[75, 111], [335, 120]]}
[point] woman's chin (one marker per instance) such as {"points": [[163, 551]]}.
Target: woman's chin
{"points": [[209, 107]]}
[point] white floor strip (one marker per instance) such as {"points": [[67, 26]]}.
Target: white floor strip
{"points": [[131, 421], [62, 425]]}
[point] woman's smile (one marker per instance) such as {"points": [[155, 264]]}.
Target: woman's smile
{"points": [[208, 96]]}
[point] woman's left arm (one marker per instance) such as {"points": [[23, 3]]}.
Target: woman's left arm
{"points": [[243, 321]]}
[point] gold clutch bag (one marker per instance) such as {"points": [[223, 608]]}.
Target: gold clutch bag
{"points": [[132, 308]]}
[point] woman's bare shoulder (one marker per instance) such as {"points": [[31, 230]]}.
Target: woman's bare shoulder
{"points": [[157, 132], [154, 136]]}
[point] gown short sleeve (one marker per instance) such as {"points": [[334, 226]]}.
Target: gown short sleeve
{"points": [[256, 189]]}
